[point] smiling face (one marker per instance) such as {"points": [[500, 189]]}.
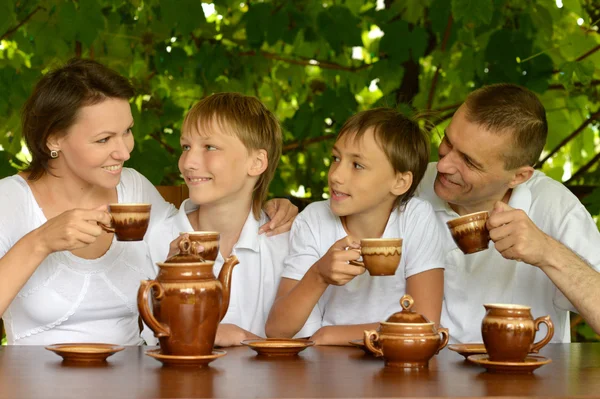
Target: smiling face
{"points": [[471, 171], [361, 178], [216, 166], [95, 147]]}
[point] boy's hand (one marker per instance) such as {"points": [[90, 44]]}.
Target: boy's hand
{"points": [[232, 335], [516, 236], [334, 268], [282, 214]]}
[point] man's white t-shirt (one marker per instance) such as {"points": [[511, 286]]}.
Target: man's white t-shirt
{"points": [[364, 299], [486, 277], [71, 299], [255, 279]]}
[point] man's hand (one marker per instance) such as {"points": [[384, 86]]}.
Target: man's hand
{"points": [[516, 236], [282, 214], [232, 335], [334, 268]]}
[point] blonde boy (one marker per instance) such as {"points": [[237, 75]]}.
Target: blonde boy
{"points": [[378, 160], [231, 145]]}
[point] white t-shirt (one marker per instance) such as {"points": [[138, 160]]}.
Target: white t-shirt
{"points": [[364, 299], [71, 299], [254, 280], [487, 277]]}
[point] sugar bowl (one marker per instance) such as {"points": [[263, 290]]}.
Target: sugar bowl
{"points": [[406, 339]]}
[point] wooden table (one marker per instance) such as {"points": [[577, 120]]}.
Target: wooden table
{"points": [[33, 372]]}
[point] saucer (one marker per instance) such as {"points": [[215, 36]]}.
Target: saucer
{"points": [[278, 346], [85, 353], [527, 366], [467, 350], [185, 361]]}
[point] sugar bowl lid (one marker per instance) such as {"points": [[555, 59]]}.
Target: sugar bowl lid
{"points": [[407, 315], [187, 253]]}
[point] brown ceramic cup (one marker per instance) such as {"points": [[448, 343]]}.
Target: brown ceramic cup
{"points": [[207, 239], [470, 233], [129, 222], [381, 256], [508, 332]]}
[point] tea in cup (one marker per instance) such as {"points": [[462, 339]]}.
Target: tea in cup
{"points": [[470, 233], [381, 256], [207, 239], [129, 222], [508, 332]]}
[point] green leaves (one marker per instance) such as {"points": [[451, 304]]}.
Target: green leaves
{"points": [[339, 27], [8, 17], [576, 71], [184, 16], [479, 12]]}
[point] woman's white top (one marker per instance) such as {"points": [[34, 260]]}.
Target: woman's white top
{"points": [[71, 299]]}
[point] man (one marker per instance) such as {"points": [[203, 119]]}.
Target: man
{"points": [[546, 251]]}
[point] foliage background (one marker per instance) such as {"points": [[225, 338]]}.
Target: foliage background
{"points": [[314, 63]]}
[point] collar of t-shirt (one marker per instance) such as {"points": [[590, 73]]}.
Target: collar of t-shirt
{"points": [[248, 237], [520, 197]]}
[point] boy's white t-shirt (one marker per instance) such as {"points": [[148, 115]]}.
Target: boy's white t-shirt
{"points": [[254, 280], [68, 298], [364, 299]]}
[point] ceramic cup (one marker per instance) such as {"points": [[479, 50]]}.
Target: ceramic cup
{"points": [[207, 239], [129, 222], [469, 232], [508, 332], [381, 256]]}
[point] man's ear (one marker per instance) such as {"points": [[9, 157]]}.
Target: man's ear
{"points": [[402, 184], [259, 162], [521, 175]]}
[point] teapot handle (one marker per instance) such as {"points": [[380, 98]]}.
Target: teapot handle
{"points": [[445, 338], [160, 330], [375, 336]]}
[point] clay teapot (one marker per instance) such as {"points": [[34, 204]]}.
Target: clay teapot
{"points": [[188, 302], [406, 339]]}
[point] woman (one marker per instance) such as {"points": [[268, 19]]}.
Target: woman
{"points": [[62, 278]]}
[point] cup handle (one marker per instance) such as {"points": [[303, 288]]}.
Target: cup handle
{"points": [[108, 229], [375, 336], [535, 348], [160, 330], [357, 262], [445, 338]]}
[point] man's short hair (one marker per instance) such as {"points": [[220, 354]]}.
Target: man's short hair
{"points": [[508, 108]]}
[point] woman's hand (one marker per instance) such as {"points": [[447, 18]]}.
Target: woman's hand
{"points": [[282, 214], [73, 229]]}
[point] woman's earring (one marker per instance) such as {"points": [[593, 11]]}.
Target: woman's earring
{"points": [[53, 154]]}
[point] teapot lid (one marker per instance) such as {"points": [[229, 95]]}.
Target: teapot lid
{"points": [[407, 315], [187, 253]]}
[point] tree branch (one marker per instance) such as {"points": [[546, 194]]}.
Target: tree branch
{"points": [[583, 56], [583, 169], [437, 70], [23, 22], [305, 62], [558, 86], [156, 136], [570, 137], [300, 143]]}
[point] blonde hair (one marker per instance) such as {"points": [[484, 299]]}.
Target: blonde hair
{"points": [[249, 120]]}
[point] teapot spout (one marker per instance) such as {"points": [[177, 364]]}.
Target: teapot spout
{"points": [[225, 279]]}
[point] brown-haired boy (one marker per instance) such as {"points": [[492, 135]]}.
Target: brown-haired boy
{"points": [[378, 160]]}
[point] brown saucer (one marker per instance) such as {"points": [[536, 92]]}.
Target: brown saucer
{"points": [[85, 353], [185, 361], [527, 366], [277, 346], [467, 350]]}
